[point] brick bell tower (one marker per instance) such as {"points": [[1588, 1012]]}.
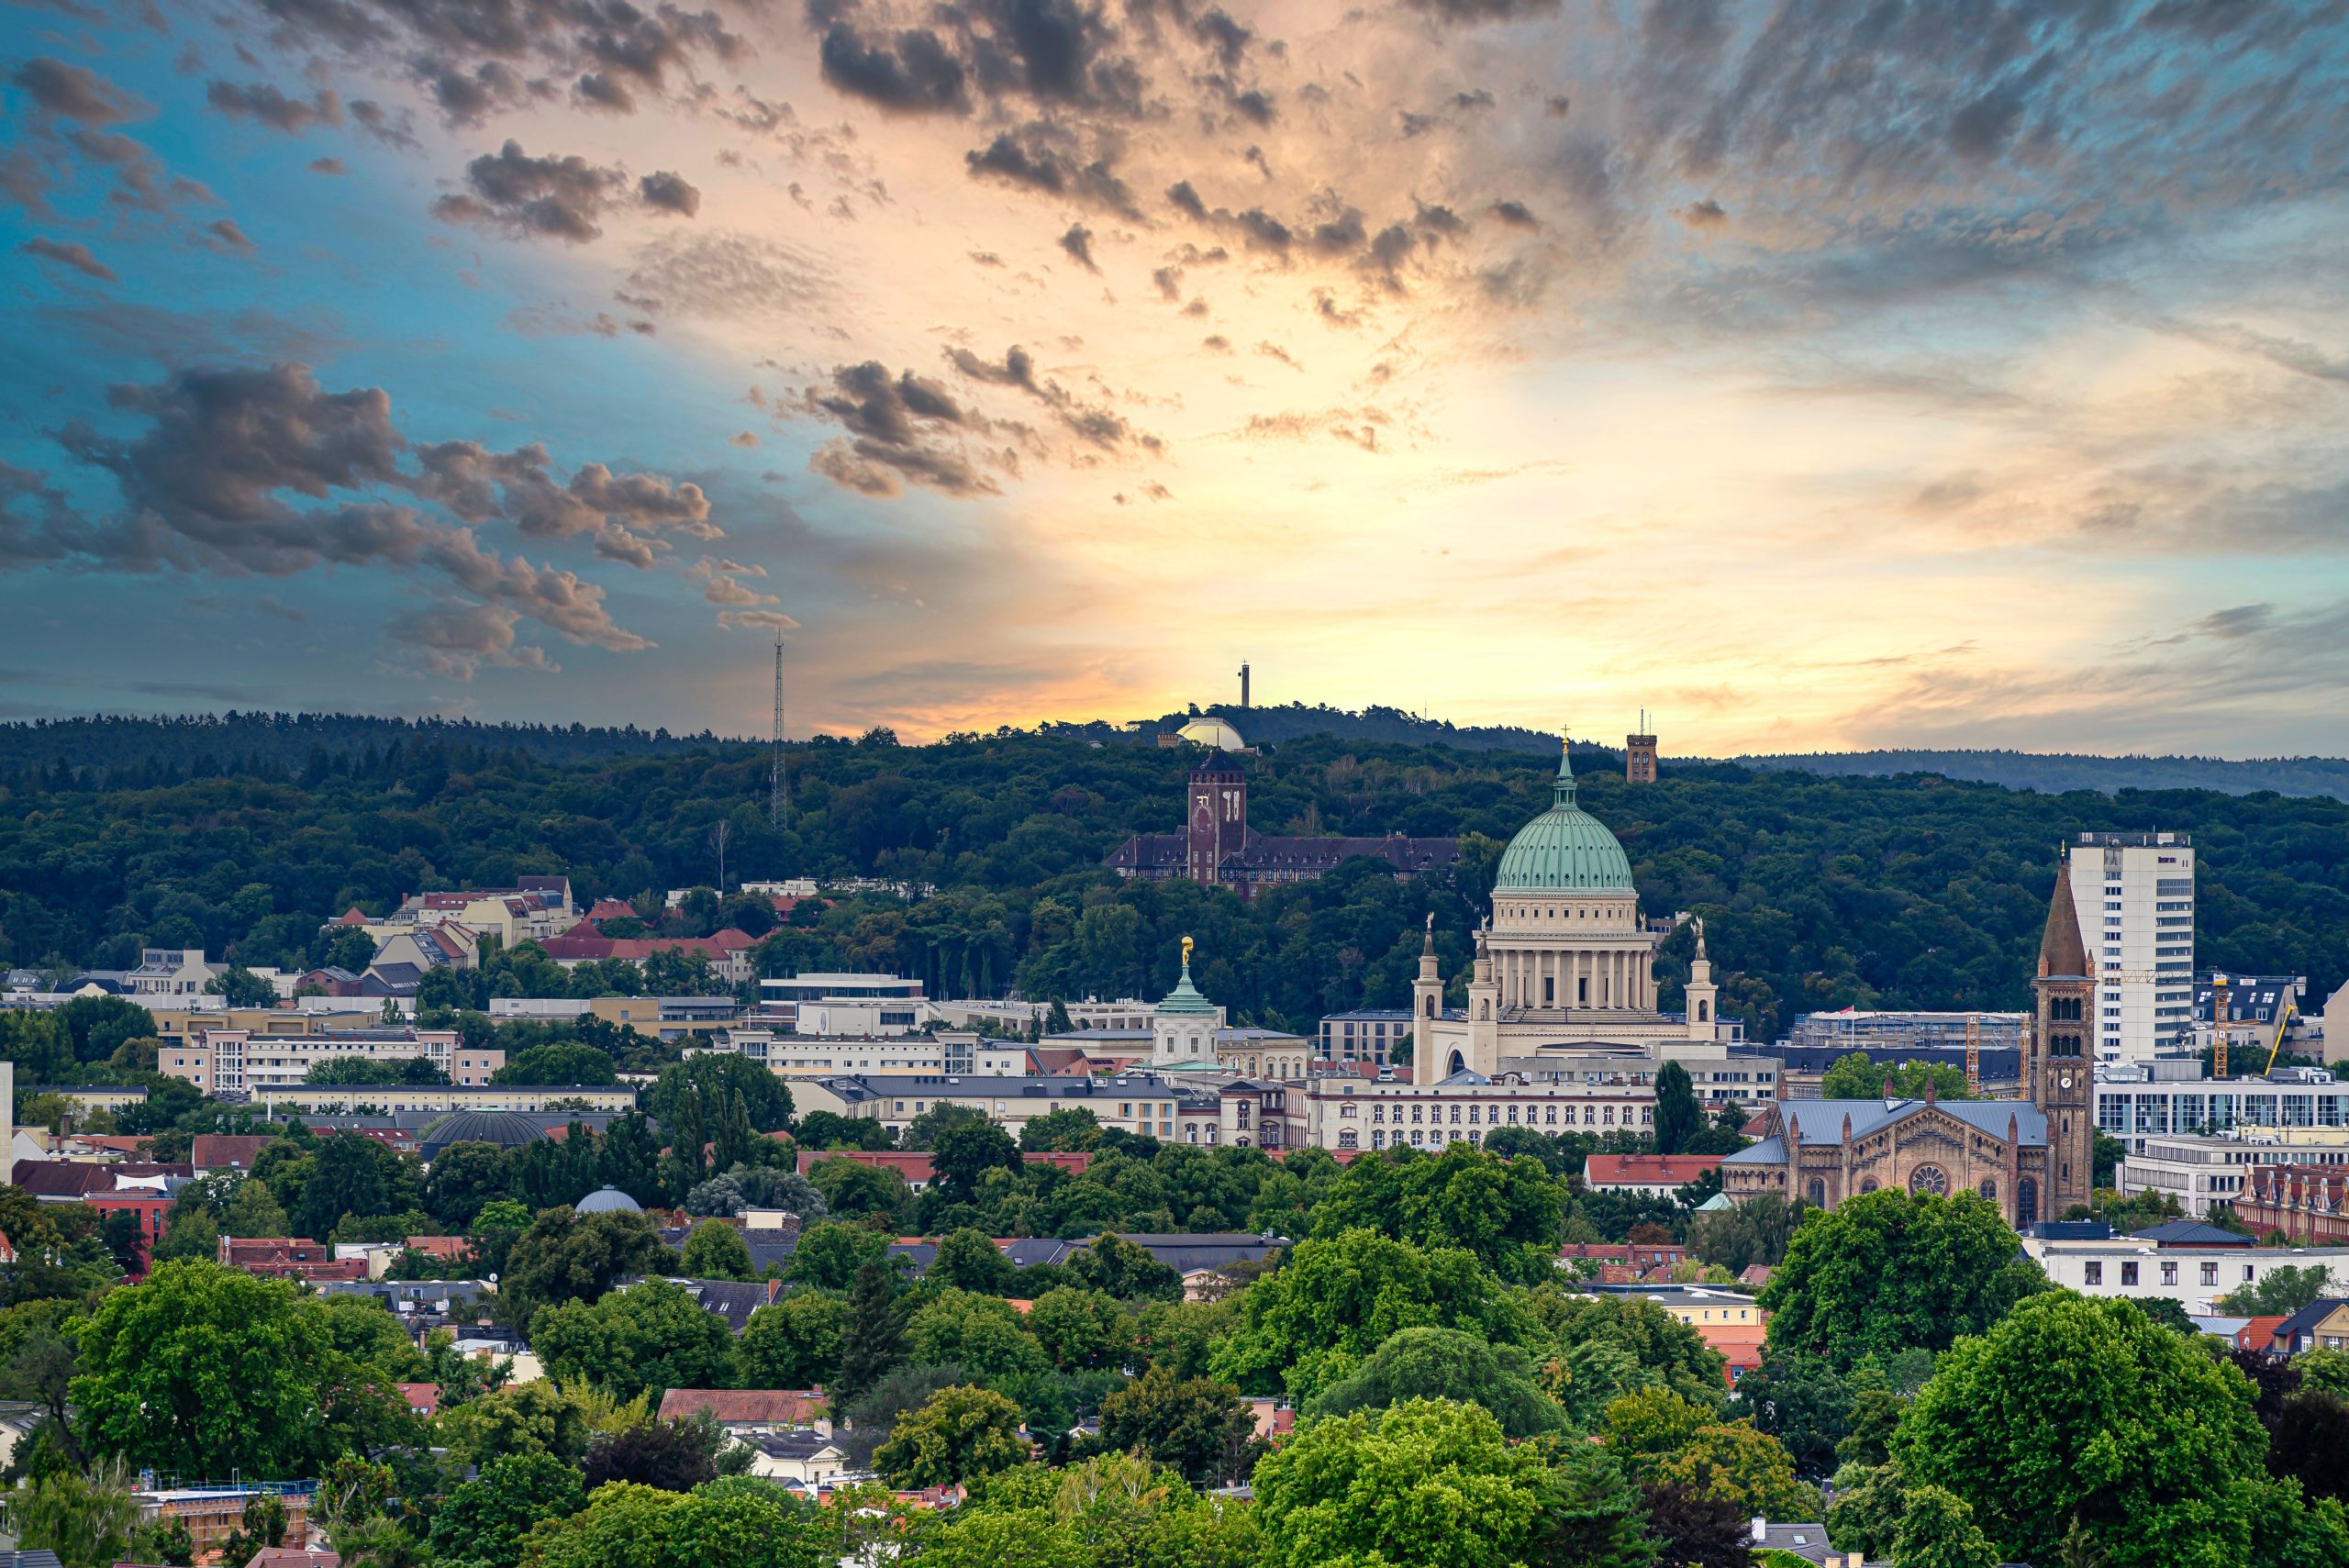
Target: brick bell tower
{"points": [[1218, 824], [2061, 1073]]}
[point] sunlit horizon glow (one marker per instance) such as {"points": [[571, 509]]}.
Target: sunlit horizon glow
{"points": [[1813, 376]]}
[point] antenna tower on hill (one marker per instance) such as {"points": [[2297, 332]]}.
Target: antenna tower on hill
{"points": [[778, 777]]}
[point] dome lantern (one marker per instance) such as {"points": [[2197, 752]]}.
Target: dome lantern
{"points": [[1565, 850]]}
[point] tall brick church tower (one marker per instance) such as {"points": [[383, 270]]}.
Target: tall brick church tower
{"points": [[1219, 817], [2061, 1073]]}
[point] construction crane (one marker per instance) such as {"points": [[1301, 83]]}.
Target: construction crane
{"points": [[2283, 1021], [1974, 1054], [2217, 1026]]}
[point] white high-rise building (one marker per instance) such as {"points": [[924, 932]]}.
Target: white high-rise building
{"points": [[2135, 895]]}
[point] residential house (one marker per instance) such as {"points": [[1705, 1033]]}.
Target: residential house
{"points": [[209, 1152], [285, 1257], [1647, 1175], [806, 1458], [172, 971], [2194, 1264], [2321, 1325], [748, 1413], [212, 1514]]}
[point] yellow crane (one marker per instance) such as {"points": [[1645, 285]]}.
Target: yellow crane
{"points": [[2219, 1026], [2283, 1021], [1974, 1054]]}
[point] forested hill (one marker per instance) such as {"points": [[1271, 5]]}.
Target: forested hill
{"points": [[1817, 892], [2055, 773], [156, 749]]}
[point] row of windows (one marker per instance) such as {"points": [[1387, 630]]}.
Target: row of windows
{"points": [[2095, 1274], [1591, 1114]]}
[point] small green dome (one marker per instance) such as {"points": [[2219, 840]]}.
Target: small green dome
{"points": [[1565, 850]]}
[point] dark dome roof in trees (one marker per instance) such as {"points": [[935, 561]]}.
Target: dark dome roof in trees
{"points": [[507, 1130]]}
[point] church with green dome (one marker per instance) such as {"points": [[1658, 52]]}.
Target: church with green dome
{"points": [[1565, 965]]}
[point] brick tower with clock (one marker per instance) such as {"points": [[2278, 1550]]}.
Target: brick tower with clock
{"points": [[2061, 1073]]}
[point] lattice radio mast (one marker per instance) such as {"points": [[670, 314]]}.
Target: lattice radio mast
{"points": [[779, 776]]}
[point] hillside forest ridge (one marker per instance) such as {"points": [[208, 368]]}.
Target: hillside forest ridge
{"points": [[1817, 892]]}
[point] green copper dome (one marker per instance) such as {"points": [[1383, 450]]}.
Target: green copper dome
{"points": [[1565, 850]]}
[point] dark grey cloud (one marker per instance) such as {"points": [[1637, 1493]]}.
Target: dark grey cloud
{"points": [[224, 234], [1043, 155], [269, 105], [900, 430], [1045, 52], [475, 59], [669, 193], [1078, 243], [914, 73], [240, 471], [556, 197], [75, 93], [1094, 425], [69, 253]]}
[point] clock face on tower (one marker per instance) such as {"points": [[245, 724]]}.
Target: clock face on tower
{"points": [[1203, 812]]}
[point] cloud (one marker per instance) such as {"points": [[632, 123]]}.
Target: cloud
{"points": [[269, 105], [669, 193], [1045, 157], [215, 480], [559, 197], [224, 233], [1078, 243], [69, 253], [1705, 215], [1092, 424], [914, 73], [75, 93], [900, 430]]}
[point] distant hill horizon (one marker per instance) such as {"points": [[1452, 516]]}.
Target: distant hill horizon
{"points": [[239, 741]]}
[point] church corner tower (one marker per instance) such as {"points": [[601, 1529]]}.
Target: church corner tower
{"points": [[2060, 1074]]}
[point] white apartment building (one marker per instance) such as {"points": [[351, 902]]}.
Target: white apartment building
{"points": [[2201, 1173], [961, 1052], [241, 1061], [1142, 1103], [2137, 1267], [1342, 1114], [172, 971], [2135, 897], [2164, 1099]]}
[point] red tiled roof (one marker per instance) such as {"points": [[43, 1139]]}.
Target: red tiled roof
{"points": [[1647, 1170], [424, 1398], [610, 910], [768, 1406], [218, 1150], [350, 917], [449, 1246], [575, 944]]}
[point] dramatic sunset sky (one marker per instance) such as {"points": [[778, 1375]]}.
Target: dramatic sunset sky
{"points": [[1815, 375]]}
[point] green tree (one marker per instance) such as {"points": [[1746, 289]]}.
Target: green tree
{"points": [[1071, 1129], [484, 1520], [875, 1338], [355, 1177], [712, 1080], [86, 1520], [1428, 1363], [793, 1343], [204, 1370], [968, 1259], [981, 1333], [828, 1256], [1856, 1077], [651, 1336], [1609, 1345], [1437, 1483], [1678, 1117], [1195, 1425], [961, 1433], [524, 1417], [565, 1061], [1506, 1212], [715, 1250], [1886, 1271], [568, 1256], [1078, 1329], [2079, 1412], [1648, 1425], [1937, 1531], [238, 987], [965, 1152], [1116, 1267], [1731, 1461], [2280, 1292], [828, 1130], [1753, 1231], [1310, 1325], [465, 1179], [924, 1130], [731, 1522], [1801, 1401], [852, 1187]]}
